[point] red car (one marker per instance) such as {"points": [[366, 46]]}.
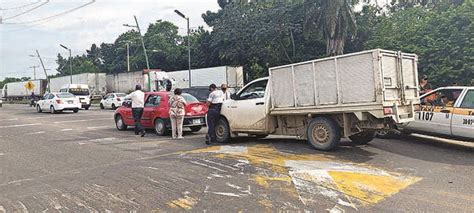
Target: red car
{"points": [[156, 113]]}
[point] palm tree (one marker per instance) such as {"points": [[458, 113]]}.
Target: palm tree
{"points": [[334, 19]]}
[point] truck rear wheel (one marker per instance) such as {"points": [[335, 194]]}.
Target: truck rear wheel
{"points": [[323, 133], [222, 130], [363, 138]]}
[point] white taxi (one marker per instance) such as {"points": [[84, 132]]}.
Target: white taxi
{"points": [[112, 100], [58, 102], [446, 111]]}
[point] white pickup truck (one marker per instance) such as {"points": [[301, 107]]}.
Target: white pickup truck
{"points": [[323, 100]]}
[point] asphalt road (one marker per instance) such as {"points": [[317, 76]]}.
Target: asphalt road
{"points": [[80, 163]]}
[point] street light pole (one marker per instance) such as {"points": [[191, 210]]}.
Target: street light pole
{"points": [[189, 53], [144, 49], [189, 44], [128, 57], [70, 61], [34, 71]]}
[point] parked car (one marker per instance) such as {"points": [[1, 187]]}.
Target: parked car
{"points": [[112, 100], [201, 93], [446, 112], [58, 102], [156, 113]]}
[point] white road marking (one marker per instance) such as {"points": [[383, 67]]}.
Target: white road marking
{"points": [[19, 125], [65, 130], [102, 139], [446, 140], [208, 166], [23, 207], [229, 194], [36, 133], [2, 154], [97, 127], [97, 140], [336, 209], [77, 121], [11, 119]]}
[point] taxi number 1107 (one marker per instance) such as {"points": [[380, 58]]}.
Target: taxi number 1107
{"points": [[427, 116]]}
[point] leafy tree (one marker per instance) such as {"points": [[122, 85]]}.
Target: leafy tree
{"points": [[11, 79], [441, 37]]}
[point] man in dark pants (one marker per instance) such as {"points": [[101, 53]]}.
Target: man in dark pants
{"points": [[138, 102], [215, 103]]}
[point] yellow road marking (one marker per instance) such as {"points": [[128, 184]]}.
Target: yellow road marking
{"points": [[368, 188], [299, 175], [186, 203]]}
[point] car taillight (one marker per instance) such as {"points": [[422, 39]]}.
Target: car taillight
{"points": [[118, 99], [387, 110], [58, 101]]}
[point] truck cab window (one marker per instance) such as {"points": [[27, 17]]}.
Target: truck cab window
{"points": [[256, 90]]}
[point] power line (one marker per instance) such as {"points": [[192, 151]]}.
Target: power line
{"points": [[49, 18], [22, 6], [27, 11]]}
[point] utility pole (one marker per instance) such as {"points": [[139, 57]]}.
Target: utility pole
{"points": [[70, 61], [128, 56], [144, 49], [44, 69], [189, 44], [34, 71]]}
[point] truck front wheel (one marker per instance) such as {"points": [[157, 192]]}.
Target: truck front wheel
{"points": [[222, 130], [363, 138], [323, 133]]}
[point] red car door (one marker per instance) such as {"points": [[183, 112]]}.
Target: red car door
{"points": [[163, 110], [152, 102], [126, 113]]}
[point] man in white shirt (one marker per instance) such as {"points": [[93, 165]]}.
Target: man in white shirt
{"points": [[215, 100], [138, 102]]}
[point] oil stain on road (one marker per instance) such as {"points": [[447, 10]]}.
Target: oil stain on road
{"points": [[309, 177]]}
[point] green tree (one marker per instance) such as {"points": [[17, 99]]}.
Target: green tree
{"points": [[9, 80], [442, 37]]}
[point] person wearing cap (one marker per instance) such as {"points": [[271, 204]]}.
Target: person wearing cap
{"points": [[225, 92], [138, 102], [215, 100], [424, 85]]}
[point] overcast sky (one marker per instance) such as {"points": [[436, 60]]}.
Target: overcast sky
{"points": [[98, 22]]}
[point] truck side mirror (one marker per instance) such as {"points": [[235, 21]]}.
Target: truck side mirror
{"points": [[233, 96]]}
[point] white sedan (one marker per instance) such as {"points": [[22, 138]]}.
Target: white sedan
{"points": [[447, 112], [112, 100], [58, 102]]}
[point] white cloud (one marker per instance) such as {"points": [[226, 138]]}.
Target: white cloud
{"points": [[99, 22]]}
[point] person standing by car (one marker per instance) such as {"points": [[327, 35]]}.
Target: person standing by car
{"points": [[225, 92], [177, 104], [215, 100], [138, 102]]}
